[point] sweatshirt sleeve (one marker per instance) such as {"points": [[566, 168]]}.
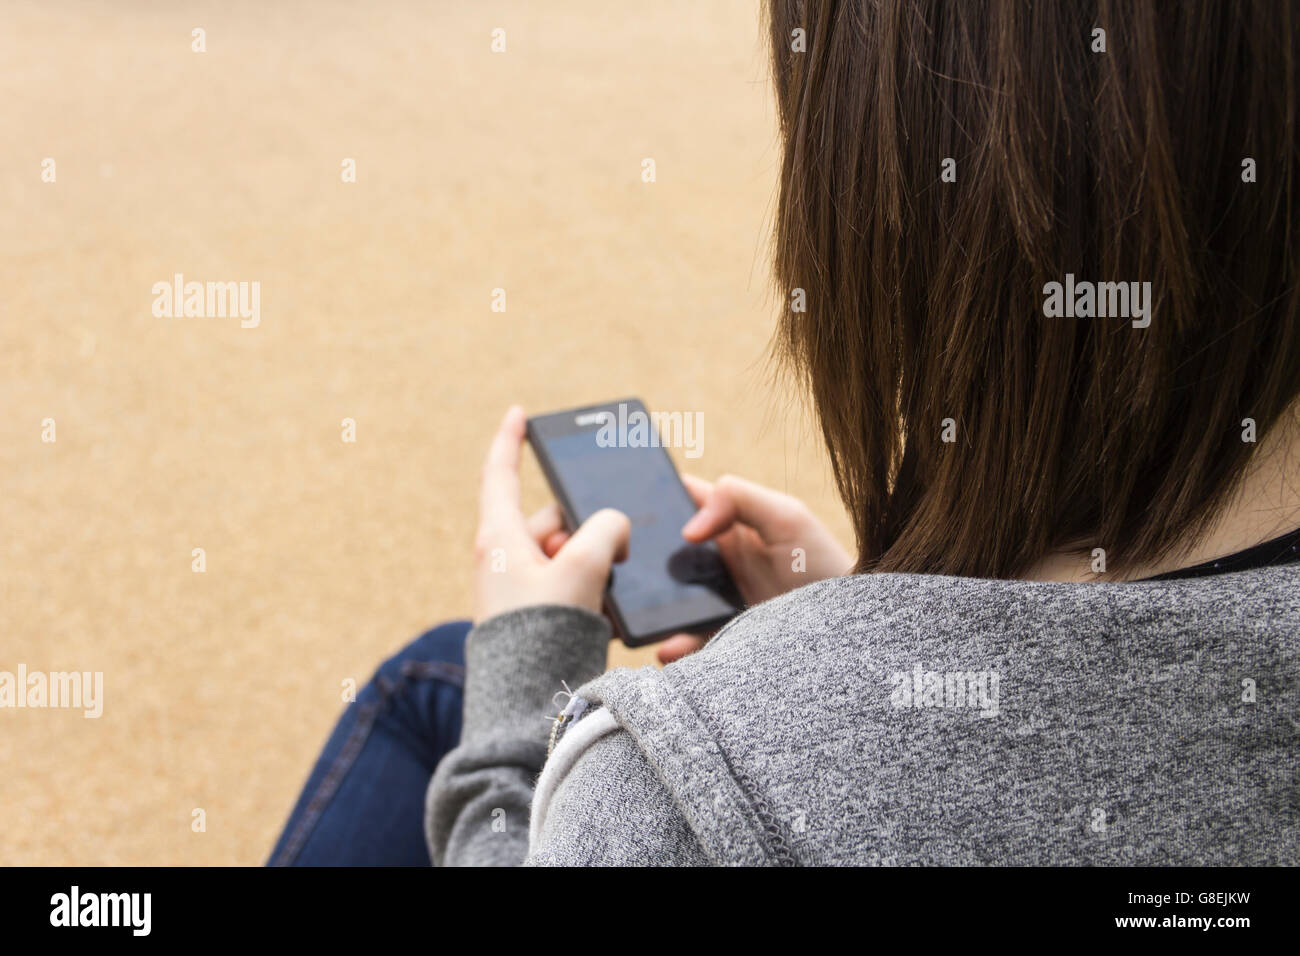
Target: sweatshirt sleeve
{"points": [[478, 800]]}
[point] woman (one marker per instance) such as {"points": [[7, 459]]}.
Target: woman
{"points": [[1042, 265]]}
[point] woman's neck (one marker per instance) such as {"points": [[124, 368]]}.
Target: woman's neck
{"points": [[1265, 504]]}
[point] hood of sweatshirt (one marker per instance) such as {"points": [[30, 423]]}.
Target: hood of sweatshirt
{"points": [[897, 719]]}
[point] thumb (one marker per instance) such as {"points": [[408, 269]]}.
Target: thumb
{"points": [[600, 541]]}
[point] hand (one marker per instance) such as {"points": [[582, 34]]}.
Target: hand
{"points": [[757, 530], [518, 562]]}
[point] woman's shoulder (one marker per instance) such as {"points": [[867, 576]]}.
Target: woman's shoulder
{"points": [[883, 621], [819, 725]]}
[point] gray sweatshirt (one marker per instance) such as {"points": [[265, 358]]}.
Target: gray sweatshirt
{"points": [[895, 719]]}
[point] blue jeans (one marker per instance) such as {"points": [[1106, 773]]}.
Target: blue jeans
{"points": [[363, 804]]}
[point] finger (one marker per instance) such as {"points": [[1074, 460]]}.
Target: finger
{"points": [[700, 529], [545, 522], [716, 515], [553, 543], [499, 509], [677, 647], [733, 499], [698, 489], [599, 542]]}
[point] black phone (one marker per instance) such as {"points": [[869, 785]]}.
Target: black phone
{"points": [[610, 456]]}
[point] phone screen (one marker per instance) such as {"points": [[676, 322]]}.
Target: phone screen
{"points": [[666, 584]]}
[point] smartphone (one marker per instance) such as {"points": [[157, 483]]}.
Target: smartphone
{"points": [[607, 456]]}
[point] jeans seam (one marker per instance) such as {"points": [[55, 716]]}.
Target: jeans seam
{"points": [[434, 670]]}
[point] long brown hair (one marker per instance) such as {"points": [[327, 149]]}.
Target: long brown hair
{"points": [[923, 299]]}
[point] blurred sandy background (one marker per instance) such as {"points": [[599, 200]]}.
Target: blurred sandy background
{"points": [[475, 170]]}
